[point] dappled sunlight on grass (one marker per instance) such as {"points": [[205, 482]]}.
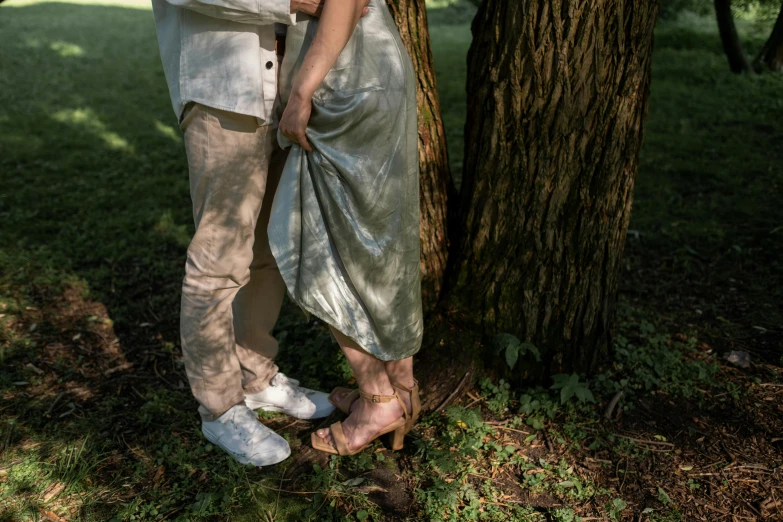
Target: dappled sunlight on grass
{"points": [[66, 49], [168, 131], [89, 121], [168, 229], [99, 422]]}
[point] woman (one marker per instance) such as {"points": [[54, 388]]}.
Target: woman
{"points": [[345, 221]]}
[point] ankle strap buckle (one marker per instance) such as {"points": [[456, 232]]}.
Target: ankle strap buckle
{"points": [[377, 398]]}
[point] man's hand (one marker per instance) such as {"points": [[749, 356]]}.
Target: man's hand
{"points": [[314, 7]]}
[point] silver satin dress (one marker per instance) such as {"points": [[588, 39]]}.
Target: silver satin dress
{"points": [[344, 227]]}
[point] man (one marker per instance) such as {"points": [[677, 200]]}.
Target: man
{"points": [[220, 62]]}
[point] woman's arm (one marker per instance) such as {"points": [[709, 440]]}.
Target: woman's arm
{"points": [[338, 21]]}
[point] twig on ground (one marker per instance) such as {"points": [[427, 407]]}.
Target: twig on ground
{"points": [[121, 367], [713, 508], [280, 488], [56, 400], [453, 393], [645, 441], [289, 425], [612, 404], [512, 429], [475, 399], [291, 492], [157, 373]]}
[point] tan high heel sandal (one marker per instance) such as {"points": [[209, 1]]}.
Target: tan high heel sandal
{"points": [[396, 430], [342, 399], [413, 415]]}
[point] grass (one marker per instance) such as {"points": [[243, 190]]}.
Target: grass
{"points": [[97, 421]]}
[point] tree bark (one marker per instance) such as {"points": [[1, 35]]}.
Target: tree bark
{"points": [[771, 55], [436, 186], [557, 100], [728, 35]]}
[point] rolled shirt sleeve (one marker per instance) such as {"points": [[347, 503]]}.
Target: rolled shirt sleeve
{"points": [[258, 12]]}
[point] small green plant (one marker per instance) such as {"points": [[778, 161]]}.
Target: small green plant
{"points": [[646, 359], [498, 395], [513, 349], [570, 386], [564, 515], [337, 498], [664, 497], [538, 406], [616, 508]]}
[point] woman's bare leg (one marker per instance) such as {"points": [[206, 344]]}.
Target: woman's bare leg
{"points": [[401, 372], [366, 418]]}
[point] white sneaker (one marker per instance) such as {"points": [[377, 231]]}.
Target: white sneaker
{"points": [[286, 396], [241, 435]]}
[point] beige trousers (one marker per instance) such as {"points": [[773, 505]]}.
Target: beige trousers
{"points": [[232, 291]]}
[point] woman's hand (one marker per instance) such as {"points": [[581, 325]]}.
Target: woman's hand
{"points": [[293, 123], [338, 21]]}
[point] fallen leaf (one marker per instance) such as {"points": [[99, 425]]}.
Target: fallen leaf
{"points": [[48, 515], [34, 368], [158, 476]]}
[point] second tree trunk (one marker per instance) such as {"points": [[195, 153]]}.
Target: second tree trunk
{"points": [[728, 34], [557, 100], [771, 55]]}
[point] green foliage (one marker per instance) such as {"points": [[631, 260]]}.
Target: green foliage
{"points": [[616, 508], [646, 359], [450, 13], [570, 386], [465, 446], [512, 348], [671, 8], [663, 497], [538, 405], [98, 204], [564, 515], [748, 8], [498, 396]]}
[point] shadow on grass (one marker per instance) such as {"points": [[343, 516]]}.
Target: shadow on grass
{"points": [[97, 420], [96, 219]]}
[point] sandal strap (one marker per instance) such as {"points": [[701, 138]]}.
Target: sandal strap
{"points": [[386, 398], [378, 398], [405, 388], [340, 442]]}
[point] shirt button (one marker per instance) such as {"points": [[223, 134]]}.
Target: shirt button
{"points": [[269, 65]]}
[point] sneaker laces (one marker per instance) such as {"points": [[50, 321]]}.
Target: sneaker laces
{"points": [[289, 386], [281, 378], [248, 427]]}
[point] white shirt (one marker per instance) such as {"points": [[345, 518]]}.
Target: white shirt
{"points": [[221, 53]]}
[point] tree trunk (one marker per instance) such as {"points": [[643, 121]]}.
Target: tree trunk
{"points": [[728, 35], [436, 184], [771, 55], [557, 100]]}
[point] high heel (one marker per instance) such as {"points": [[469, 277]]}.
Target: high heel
{"points": [[413, 415], [397, 438], [396, 430], [343, 398]]}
